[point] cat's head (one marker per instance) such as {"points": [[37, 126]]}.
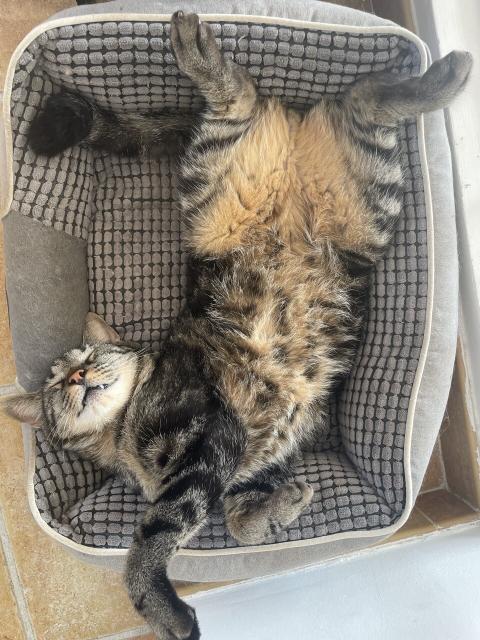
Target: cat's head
{"points": [[86, 389]]}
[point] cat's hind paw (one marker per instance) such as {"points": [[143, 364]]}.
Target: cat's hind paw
{"points": [[196, 51], [65, 120], [253, 521]]}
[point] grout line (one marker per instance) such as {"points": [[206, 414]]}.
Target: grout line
{"points": [[125, 635], [22, 606], [442, 461], [439, 488], [464, 500], [434, 524]]}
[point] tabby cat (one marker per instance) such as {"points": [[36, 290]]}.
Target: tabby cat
{"points": [[287, 214]]}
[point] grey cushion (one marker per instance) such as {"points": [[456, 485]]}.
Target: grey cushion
{"points": [[122, 214]]}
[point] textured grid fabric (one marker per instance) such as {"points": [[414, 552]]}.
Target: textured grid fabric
{"points": [[136, 262], [126, 211]]}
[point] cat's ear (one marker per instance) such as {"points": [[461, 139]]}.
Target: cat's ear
{"points": [[97, 331], [26, 407]]}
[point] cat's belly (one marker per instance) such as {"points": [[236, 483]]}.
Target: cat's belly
{"points": [[270, 443], [276, 361]]}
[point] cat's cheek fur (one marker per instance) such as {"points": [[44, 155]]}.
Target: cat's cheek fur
{"points": [[107, 403]]}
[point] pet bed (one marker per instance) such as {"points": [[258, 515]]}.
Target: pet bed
{"points": [[87, 230]]}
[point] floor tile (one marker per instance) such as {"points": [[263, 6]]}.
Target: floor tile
{"points": [[459, 442], [67, 599], [189, 588], [416, 525], [435, 474], [18, 18], [7, 364], [10, 627], [445, 509]]}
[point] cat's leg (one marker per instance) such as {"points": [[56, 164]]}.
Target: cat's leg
{"points": [[354, 175], [234, 166], [68, 118], [265, 504], [173, 519], [372, 110], [387, 98], [228, 89], [166, 525], [230, 96]]}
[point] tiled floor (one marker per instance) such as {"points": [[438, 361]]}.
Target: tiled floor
{"points": [[7, 365], [11, 626], [45, 594], [18, 18], [65, 599]]}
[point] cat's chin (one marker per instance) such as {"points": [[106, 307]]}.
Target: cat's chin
{"points": [[101, 403], [96, 412]]}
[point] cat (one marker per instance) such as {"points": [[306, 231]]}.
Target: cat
{"points": [[287, 215]]}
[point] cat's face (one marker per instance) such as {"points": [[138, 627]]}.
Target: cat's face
{"points": [[86, 389]]}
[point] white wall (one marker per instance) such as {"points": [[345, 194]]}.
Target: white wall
{"points": [[424, 590], [447, 25]]}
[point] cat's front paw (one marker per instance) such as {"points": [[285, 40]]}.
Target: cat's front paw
{"points": [[153, 595], [183, 625], [196, 51], [170, 618], [253, 521]]}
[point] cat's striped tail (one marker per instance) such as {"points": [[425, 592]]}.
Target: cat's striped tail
{"points": [[69, 118]]}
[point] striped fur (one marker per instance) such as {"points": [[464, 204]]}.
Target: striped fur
{"points": [[287, 214]]}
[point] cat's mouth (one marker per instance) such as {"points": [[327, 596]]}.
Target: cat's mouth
{"points": [[93, 390]]}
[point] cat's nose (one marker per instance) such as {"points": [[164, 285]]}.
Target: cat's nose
{"points": [[77, 377]]}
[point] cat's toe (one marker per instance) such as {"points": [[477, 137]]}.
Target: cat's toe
{"points": [[306, 492], [183, 30], [182, 626], [195, 48], [195, 631], [298, 492]]}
